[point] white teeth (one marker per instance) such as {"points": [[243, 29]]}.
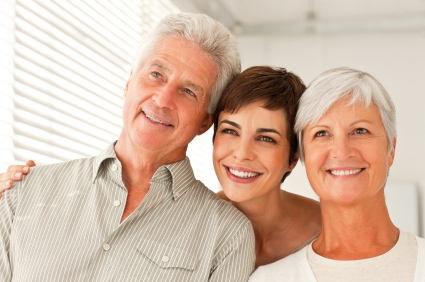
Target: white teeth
{"points": [[153, 119], [243, 174], [345, 172]]}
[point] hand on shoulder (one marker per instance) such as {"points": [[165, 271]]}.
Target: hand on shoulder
{"points": [[14, 173]]}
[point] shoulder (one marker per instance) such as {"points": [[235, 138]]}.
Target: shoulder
{"points": [[225, 217], [68, 166], [421, 244], [60, 174], [215, 204], [291, 268], [304, 203], [77, 166], [307, 211], [420, 269]]}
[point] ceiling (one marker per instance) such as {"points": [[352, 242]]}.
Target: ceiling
{"points": [[307, 16]]}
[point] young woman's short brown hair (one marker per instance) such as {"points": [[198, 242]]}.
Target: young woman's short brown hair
{"points": [[279, 89]]}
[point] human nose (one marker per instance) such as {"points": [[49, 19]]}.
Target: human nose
{"points": [[164, 97], [243, 150], [343, 148]]}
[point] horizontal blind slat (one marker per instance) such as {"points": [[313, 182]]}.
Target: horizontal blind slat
{"points": [[69, 36], [45, 117], [69, 70], [24, 67]]}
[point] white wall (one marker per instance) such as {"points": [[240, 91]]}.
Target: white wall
{"points": [[396, 59]]}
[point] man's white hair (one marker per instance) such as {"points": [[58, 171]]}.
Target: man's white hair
{"points": [[209, 35]]}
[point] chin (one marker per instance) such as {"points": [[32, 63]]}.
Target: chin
{"points": [[236, 197]]}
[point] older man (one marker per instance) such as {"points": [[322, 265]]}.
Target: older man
{"points": [[135, 211]]}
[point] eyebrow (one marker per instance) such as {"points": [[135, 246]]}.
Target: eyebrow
{"points": [[161, 66], [195, 87], [268, 130], [361, 120], [231, 123], [351, 124], [260, 130]]}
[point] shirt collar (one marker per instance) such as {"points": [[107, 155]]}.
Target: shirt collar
{"points": [[180, 174], [107, 153]]}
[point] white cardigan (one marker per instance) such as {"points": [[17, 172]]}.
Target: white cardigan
{"points": [[295, 268]]}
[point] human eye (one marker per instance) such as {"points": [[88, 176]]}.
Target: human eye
{"points": [[156, 74], [321, 133], [229, 131], [190, 92], [360, 131], [267, 139]]}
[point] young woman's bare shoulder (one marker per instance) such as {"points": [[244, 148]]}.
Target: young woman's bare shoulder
{"points": [[307, 208]]}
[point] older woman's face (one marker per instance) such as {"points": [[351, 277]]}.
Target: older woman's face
{"points": [[346, 154], [251, 152]]}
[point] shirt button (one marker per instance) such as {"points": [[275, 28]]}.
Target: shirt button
{"points": [[114, 167], [165, 259], [106, 247], [117, 203], [176, 194]]}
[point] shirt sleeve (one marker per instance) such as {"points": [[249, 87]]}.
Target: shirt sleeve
{"points": [[8, 204], [236, 262]]}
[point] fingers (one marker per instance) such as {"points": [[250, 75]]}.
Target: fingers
{"points": [[11, 175], [5, 185], [14, 173], [16, 168]]}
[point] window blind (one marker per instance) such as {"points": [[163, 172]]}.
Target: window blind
{"points": [[63, 68]]}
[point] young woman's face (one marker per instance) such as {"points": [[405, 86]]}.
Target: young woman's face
{"points": [[251, 152]]}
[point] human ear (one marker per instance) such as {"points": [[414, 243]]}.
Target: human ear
{"points": [[392, 153], [128, 81], [208, 121], [294, 162]]}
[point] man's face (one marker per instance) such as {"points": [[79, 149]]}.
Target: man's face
{"points": [[166, 100]]}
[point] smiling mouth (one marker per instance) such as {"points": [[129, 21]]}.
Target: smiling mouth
{"points": [[243, 174], [345, 172], [155, 120]]}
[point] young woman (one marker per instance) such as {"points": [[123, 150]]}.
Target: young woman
{"points": [[255, 149]]}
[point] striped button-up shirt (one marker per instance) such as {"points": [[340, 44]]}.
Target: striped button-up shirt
{"points": [[62, 222]]}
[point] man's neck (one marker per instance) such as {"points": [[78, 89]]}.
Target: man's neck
{"points": [[138, 167]]}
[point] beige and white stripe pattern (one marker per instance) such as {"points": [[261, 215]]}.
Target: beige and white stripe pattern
{"points": [[62, 223]]}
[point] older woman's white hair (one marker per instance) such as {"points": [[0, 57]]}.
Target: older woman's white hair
{"points": [[340, 83], [206, 33]]}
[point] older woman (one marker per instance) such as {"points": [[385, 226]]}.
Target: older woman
{"points": [[255, 149], [346, 127]]}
